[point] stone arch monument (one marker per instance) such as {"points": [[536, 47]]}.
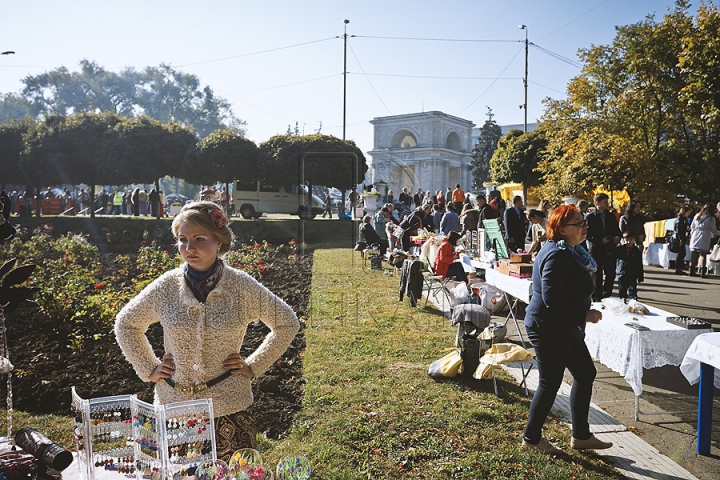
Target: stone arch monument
{"points": [[429, 150]]}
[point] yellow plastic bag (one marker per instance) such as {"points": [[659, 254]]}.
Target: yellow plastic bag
{"points": [[498, 354], [447, 366]]}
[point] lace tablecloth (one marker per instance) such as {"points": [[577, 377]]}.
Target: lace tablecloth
{"points": [[627, 351], [706, 349]]}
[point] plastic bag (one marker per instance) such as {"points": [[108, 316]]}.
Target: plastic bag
{"points": [[447, 366], [492, 298], [460, 292]]}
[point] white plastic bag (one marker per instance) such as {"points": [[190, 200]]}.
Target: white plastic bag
{"points": [[460, 292]]}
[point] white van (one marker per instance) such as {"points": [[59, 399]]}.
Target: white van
{"points": [[252, 199]]}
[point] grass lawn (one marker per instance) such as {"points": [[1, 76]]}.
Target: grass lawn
{"points": [[371, 411]]}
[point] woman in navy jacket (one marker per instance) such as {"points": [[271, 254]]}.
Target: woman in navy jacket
{"points": [[555, 320]]}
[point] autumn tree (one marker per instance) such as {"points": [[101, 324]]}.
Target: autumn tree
{"points": [[633, 119]]}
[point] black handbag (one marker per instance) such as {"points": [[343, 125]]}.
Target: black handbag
{"points": [[674, 244]]}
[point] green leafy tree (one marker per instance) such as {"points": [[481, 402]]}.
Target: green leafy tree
{"points": [[281, 161], [92, 89], [490, 134], [12, 145], [14, 107], [517, 157], [226, 156], [72, 150], [162, 93], [143, 150]]}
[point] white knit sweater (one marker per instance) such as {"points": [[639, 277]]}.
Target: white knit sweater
{"points": [[201, 336]]}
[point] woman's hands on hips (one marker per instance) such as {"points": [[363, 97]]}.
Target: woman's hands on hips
{"points": [[165, 370], [237, 365], [593, 316]]}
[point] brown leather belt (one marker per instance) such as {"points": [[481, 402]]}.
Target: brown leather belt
{"points": [[199, 387]]}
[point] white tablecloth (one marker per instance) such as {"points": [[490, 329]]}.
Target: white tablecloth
{"points": [[652, 254], [520, 288], [706, 349], [665, 256], [627, 351]]}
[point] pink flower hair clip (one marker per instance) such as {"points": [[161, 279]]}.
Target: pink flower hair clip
{"points": [[218, 218]]}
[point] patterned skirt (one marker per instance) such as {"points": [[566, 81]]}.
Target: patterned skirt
{"points": [[233, 432]]}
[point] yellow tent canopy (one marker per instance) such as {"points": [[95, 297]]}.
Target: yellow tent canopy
{"points": [[509, 190]]}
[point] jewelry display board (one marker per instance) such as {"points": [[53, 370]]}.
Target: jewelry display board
{"points": [[126, 436], [495, 236]]}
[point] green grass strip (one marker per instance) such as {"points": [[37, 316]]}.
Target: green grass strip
{"points": [[371, 411]]}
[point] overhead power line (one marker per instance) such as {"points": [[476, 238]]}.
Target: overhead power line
{"points": [[557, 56], [437, 77], [368, 80], [493, 82], [438, 39], [257, 53]]}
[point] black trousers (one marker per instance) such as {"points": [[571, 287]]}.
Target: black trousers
{"points": [[628, 286], [605, 276], [556, 352], [680, 260]]}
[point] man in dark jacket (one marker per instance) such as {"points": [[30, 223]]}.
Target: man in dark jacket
{"points": [[406, 198], [418, 198], [516, 224], [602, 237]]}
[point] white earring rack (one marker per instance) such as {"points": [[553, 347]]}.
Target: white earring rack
{"points": [[156, 441]]}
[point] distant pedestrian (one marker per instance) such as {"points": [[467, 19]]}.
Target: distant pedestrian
{"points": [[629, 266], [450, 221], [418, 198], [702, 229], [353, 198], [681, 234]]}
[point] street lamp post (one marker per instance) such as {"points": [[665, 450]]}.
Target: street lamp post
{"points": [[525, 80], [345, 76]]}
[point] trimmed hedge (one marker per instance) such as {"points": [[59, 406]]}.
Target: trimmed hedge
{"points": [[125, 234]]}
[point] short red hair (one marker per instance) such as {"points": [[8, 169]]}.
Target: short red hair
{"points": [[559, 217]]}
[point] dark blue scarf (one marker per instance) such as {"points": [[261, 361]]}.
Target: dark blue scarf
{"points": [[202, 283]]}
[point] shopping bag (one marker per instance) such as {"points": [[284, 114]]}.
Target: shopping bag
{"points": [[447, 366]]}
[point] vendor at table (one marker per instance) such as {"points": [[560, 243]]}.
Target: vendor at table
{"points": [[445, 263], [555, 320]]}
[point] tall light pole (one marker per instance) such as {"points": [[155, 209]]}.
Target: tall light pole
{"points": [[525, 81], [345, 76]]}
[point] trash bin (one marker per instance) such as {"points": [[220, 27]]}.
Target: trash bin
{"points": [[25, 211]]}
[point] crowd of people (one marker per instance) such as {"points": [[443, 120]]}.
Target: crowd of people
{"points": [[616, 242], [136, 202]]}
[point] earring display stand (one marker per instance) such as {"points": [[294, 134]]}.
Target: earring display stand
{"points": [[122, 435]]}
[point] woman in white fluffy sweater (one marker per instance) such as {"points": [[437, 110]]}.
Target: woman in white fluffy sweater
{"points": [[204, 307]]}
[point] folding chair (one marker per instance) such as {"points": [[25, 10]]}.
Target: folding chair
{"points": [[432, 282]]}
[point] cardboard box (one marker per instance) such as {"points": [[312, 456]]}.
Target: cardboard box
{"points": [[503, 267], [520, 257], [522, 270]]}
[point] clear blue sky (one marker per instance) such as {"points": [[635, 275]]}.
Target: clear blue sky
{"points": [[221, 41]]}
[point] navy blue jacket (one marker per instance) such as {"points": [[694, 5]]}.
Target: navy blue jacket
{"points": [[562, 293], [629, 264]]}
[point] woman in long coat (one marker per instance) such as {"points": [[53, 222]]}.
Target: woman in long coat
{"points": [[702, 229]]}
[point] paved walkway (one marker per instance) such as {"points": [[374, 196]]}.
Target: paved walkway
{"points": [[666, 389]]}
